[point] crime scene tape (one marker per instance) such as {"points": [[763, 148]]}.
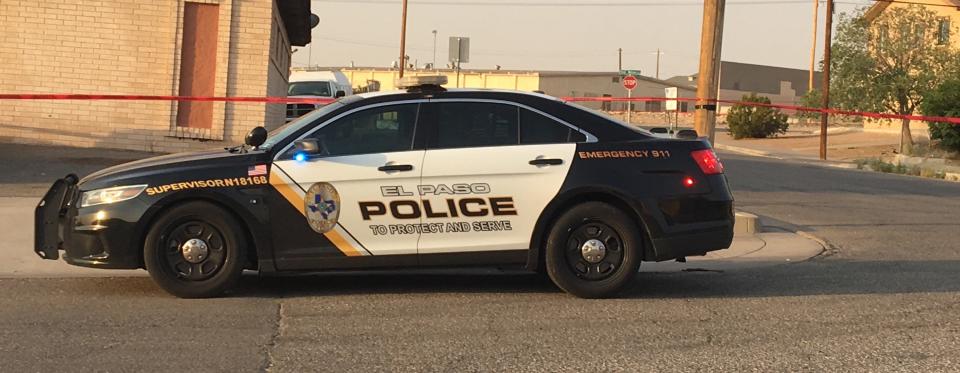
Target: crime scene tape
{"points": [[268, 100], [306, 100], [952, 120]]}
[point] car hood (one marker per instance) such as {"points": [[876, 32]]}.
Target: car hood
{"points": [[171, 163]]}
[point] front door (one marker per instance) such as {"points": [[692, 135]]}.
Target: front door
{"points": [[330, 206]]}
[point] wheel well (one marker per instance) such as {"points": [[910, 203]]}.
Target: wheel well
{"points": [[536, 259], [247, 233]]}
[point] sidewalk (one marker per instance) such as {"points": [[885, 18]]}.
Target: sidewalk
{"points": [[17, 248], [771, 247]]}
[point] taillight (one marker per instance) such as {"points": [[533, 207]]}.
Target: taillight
{"points": [[708, 161]]}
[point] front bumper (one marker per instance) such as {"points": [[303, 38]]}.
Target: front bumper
{"points": [[89, 237]]}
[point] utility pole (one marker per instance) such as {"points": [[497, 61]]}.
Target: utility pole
{"points": [[403, 39], [619, 59], [705, 118], [718, 56], [658, 62], [434, 49], [813, 48], [824, 117]]}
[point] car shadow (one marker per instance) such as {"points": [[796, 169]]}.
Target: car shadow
{"points": [[820, 277]]}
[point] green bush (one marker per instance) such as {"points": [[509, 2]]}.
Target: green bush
{"points": [[944, 101], [756, 121], [812, 99]]}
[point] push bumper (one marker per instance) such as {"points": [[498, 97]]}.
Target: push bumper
{"points": [[89, 237], [51, 214]]}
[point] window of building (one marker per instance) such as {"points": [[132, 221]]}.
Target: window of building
{"points": [[475, 124], [943, 32], [379, 130], [653, 106]]}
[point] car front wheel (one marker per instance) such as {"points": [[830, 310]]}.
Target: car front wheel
{"points": [[593, 250], [195, 250]]}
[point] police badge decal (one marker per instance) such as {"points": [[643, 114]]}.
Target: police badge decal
{"points": [[322, 207]]}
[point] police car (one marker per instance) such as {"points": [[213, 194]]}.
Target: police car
{"points": [[424, 177]]}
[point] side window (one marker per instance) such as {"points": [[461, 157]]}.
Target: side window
{"points": [[536, 128], [378, 130], [475, 124]]}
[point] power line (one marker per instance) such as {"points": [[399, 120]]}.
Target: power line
{"points": [[618, 4], [562, 4]]}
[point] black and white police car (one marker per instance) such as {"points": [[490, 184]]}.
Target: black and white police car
{"points": [[419, 178]]}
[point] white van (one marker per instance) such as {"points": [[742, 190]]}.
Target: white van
{"points": [[315, 84]]}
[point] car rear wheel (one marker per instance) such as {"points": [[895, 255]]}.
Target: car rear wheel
{"points": [[593, 250], [195, 250]]}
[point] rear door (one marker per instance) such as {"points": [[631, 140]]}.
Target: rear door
{"points": [[331, 205], [490, 168]]}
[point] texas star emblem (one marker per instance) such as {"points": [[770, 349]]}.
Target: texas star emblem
{"points": [[322, 207]]}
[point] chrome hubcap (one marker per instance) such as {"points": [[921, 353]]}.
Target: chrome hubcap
{"points": [[194, 250], [593, 251]]}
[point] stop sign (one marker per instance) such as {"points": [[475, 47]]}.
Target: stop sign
{"points": [[629, 82]]}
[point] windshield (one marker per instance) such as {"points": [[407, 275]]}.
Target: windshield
{"points": [[321, 89], [278, 134]]}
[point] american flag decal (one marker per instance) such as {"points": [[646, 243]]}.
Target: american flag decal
{"points": [[258, 170]]}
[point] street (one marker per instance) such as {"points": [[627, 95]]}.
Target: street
{"points": [[884, 297]]}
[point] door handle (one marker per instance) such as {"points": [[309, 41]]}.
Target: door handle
{"points": [[546, 162], [395, 167]]}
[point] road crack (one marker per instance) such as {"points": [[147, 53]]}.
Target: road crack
{"points": [[279, 326]]}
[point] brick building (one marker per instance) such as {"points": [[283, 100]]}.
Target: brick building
{"points": [[137, 47]]}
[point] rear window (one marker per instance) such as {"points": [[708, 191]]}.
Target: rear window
{"points": [[611, 119]]}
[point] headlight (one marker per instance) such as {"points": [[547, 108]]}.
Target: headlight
{"points": [[110, 195]]}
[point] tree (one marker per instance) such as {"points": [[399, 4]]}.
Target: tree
{"points": [[814, 99], [889, 63], [756, 121], [944, 102]]}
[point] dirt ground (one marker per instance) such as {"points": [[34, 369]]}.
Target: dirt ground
{"points": [[804, 142]]}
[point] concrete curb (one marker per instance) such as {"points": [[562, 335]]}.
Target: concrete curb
{"points": [[828, 248], [746, 151], [745, 223]]}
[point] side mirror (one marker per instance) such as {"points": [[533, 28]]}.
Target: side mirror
{"points": [[256, 137], [339, 94], [307, 146]]}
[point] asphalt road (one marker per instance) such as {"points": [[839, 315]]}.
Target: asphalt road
{"points": [[886, 297]]}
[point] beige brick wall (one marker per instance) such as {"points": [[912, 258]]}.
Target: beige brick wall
{"points": [[126, 47], [278, 72]]}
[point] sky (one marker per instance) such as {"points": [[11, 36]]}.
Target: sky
{"points": [[571, 35]]}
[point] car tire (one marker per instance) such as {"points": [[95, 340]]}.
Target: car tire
{"points": [[594, 250], [195, 250]]}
